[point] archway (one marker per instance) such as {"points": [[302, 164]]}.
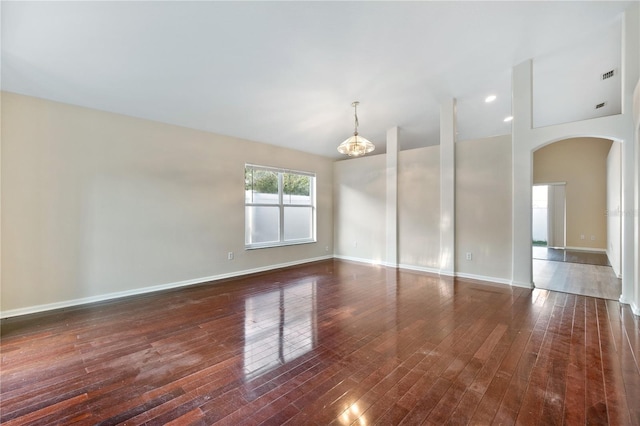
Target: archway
{"points": [[573, 239], [527, 139]]}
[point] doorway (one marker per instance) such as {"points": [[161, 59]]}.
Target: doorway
{"points": [[569, 227], [549, 215]]}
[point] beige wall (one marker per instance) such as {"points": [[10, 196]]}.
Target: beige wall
{"points": [[95, 203], [483, 207], [360, 208], [483, 214], [419, 207], [582, 164]]}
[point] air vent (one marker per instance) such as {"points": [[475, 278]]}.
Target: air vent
{"points": [[608, 74], [600, 105]]}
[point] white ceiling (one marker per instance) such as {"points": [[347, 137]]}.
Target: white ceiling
{"points": [[285, 73]]}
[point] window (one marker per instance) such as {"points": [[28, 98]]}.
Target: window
{"points": [[279, 207]]}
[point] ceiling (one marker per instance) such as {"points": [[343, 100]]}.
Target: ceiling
{"points": [[285, 73]]}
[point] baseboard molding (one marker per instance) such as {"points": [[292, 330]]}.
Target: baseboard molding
{"points": [[595, 250], [483, 278], [635, 309], [433, 271], [420, 269], [522, 284], [151, 289], [360, 260]]}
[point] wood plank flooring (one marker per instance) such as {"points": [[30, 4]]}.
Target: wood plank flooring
{"points": [[571, 256], [331, 342], [576, 278]]}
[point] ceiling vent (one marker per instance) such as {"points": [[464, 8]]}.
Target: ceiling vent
{"points": [[600, 105], [608, 74]]}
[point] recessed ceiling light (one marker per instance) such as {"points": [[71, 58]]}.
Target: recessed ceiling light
{"points": [[508, 119], [490, 98]]}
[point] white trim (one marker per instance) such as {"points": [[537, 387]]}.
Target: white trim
{"points": [[436, 271], [359, 260], [483, 278], [635, 309], [595, 250], [144, 290], [522, 284], [624, 301], [420, 269]]}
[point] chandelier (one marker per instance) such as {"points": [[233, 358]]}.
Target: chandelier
{"points": [[356, 145]]}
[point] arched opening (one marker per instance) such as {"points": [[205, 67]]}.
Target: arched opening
{"points": [[576, 216]]}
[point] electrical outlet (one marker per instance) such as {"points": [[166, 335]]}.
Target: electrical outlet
{"points": [[593, 238], [355, 244], [469, 256], [582, 236], [326, 249], [230, 255]]}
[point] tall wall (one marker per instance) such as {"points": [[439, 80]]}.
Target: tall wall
{"points": [[582, 164], [360, 208], [483, 207], [419, 207], [96, 204]]}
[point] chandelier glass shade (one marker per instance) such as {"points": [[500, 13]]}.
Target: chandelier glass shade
{"points": [[356, 145]]}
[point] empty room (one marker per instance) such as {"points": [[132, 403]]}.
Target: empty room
{"points": [[303, 212]]}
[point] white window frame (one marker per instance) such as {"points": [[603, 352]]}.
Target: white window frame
{"points": [[281, 207]]}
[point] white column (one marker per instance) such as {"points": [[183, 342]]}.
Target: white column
{"points": [[392, 197], [631, 72], [447, 186], [522, 106], [635, 303]]}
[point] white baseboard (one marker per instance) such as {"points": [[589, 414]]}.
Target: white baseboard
{"points": [[151, 289], [441, 272], [420, 268], [634, 308], [483, 278], [595, 250], [359, 260], [522, 284]]}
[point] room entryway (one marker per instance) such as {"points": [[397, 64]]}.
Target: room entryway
{"points": [[587, 273], [571, 256], [577, 278]]}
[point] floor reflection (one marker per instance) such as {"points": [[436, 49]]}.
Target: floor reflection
{"points": [[279, 327]]}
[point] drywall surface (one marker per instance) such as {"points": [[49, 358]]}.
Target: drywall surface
{"points": [[419, 207], [483, 207], [95, 203], [360, 208]]}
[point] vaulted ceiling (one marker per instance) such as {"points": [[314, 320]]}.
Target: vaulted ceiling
{"points": [[285, 73]]}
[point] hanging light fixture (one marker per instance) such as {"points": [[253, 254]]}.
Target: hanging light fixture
{"points": [[356, 145]]}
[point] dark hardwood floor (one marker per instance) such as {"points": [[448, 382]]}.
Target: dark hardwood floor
{"points": [[331, 342]]}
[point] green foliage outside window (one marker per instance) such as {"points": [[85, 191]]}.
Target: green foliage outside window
{"points": [[296, 184], [262, 181], [266, 182]]}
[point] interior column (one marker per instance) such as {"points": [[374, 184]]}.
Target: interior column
{"points": [[447, 186], [392, 197]]}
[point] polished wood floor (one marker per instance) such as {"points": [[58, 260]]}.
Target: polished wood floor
{"points": [[331, 342]]}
